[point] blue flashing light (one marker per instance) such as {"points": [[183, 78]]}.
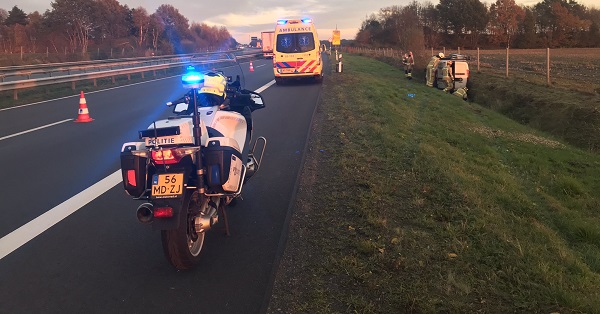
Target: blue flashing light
{"points": [[306, 21], [192, 79], [281, 22]]}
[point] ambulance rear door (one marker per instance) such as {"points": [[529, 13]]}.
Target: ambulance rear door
{"points": [[296, 53]]}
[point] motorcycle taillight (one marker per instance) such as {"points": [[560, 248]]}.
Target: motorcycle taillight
{"points": [[164, 157], [168, 156]]}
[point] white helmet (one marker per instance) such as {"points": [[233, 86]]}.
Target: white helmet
{"points": [[441, 55]]}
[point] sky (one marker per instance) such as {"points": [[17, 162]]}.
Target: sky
{"points": [[245, 18]]}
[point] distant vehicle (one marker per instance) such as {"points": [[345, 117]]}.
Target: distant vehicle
{"points": [[460, 71], [253, 42], [267, 43], [296, 53]]}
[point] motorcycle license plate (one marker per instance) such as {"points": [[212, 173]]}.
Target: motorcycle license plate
{"points": [[167, 185]]}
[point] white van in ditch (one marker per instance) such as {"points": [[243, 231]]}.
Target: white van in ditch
{"points": [[460, 71]]}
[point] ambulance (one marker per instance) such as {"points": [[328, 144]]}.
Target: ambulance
{"points": [[297, 51]]}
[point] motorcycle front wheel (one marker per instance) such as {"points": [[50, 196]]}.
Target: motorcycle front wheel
{"points": [[182, 246]]}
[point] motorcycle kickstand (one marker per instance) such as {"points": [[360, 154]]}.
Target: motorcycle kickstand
{"points": [[223, 210]]}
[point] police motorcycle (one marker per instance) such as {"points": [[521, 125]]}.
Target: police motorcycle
{"points": [[189, 167]]}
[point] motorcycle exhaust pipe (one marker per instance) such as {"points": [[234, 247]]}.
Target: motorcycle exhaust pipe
{"points": [[206, 219], [145, 213]]}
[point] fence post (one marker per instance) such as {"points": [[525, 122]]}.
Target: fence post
{"points": [[506, 61], [432, 51], [46, 52], [111, 55], [548, 65], [21, 53], [444, 50], [478, 60], [458, 50]]}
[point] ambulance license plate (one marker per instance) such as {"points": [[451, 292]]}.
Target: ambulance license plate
{"points": [[169, 185], [288, 70]]}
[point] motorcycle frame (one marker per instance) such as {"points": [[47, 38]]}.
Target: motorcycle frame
{"points": [[197, 141]]}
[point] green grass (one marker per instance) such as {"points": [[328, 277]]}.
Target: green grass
{"points": [[432, 204], [572, 116]]}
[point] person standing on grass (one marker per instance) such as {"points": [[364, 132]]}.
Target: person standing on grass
{"points": [[405, 63], [410, 63], [431, 66], [448, 77]]}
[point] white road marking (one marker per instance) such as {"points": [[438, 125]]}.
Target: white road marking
{"points": [[37, 226], [260, 90], [32, 229], [34, 129]]}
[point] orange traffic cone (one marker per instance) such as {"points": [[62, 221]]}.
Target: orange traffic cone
{"points": [[84, 115], [251, 67]]}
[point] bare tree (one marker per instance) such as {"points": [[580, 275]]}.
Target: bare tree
{"points": [[141, 22], [505, 16]]}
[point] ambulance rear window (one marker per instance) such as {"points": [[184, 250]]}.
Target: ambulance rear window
{"points": [[295, 42]]}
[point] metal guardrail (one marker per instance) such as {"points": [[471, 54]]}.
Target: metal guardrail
{"points": [[29, 83], [50, 68]]}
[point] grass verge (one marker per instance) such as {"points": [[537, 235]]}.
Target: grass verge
{"points": [[571, 115], [432, 204]]}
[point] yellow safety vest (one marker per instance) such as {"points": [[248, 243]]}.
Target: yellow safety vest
{"points": [[445, 71], [461, 92]]}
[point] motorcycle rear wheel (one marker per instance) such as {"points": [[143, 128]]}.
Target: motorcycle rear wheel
{"points": [[182, 246]]}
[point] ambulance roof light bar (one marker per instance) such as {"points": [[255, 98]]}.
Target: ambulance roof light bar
{"points": [[283, 22]]}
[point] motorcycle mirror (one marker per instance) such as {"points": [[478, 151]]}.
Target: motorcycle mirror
{"points": [[180, 107], [257, 99], [229, 78], [169, 104]]}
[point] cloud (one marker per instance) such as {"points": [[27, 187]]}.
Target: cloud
{"points": [[266, 17], [247, 20]]}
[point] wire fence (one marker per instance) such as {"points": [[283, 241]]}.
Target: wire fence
{"points": [[571, 68]]}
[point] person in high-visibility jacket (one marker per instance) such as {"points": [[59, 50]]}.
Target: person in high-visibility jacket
{"points": [[461, 92], [405, 63], [431, 66], [410, 63], [448, 77]]}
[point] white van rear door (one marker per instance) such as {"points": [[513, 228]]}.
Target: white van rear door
{"points": [[461, 74]]}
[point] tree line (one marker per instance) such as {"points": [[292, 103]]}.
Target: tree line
{"points": [[471, 24], [80, 26]]}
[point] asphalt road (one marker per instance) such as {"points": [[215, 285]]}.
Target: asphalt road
{"points": [[94, 256]]}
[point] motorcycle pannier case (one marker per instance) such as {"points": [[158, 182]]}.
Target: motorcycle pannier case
{"points": [[223, 162], [133, 169]]}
